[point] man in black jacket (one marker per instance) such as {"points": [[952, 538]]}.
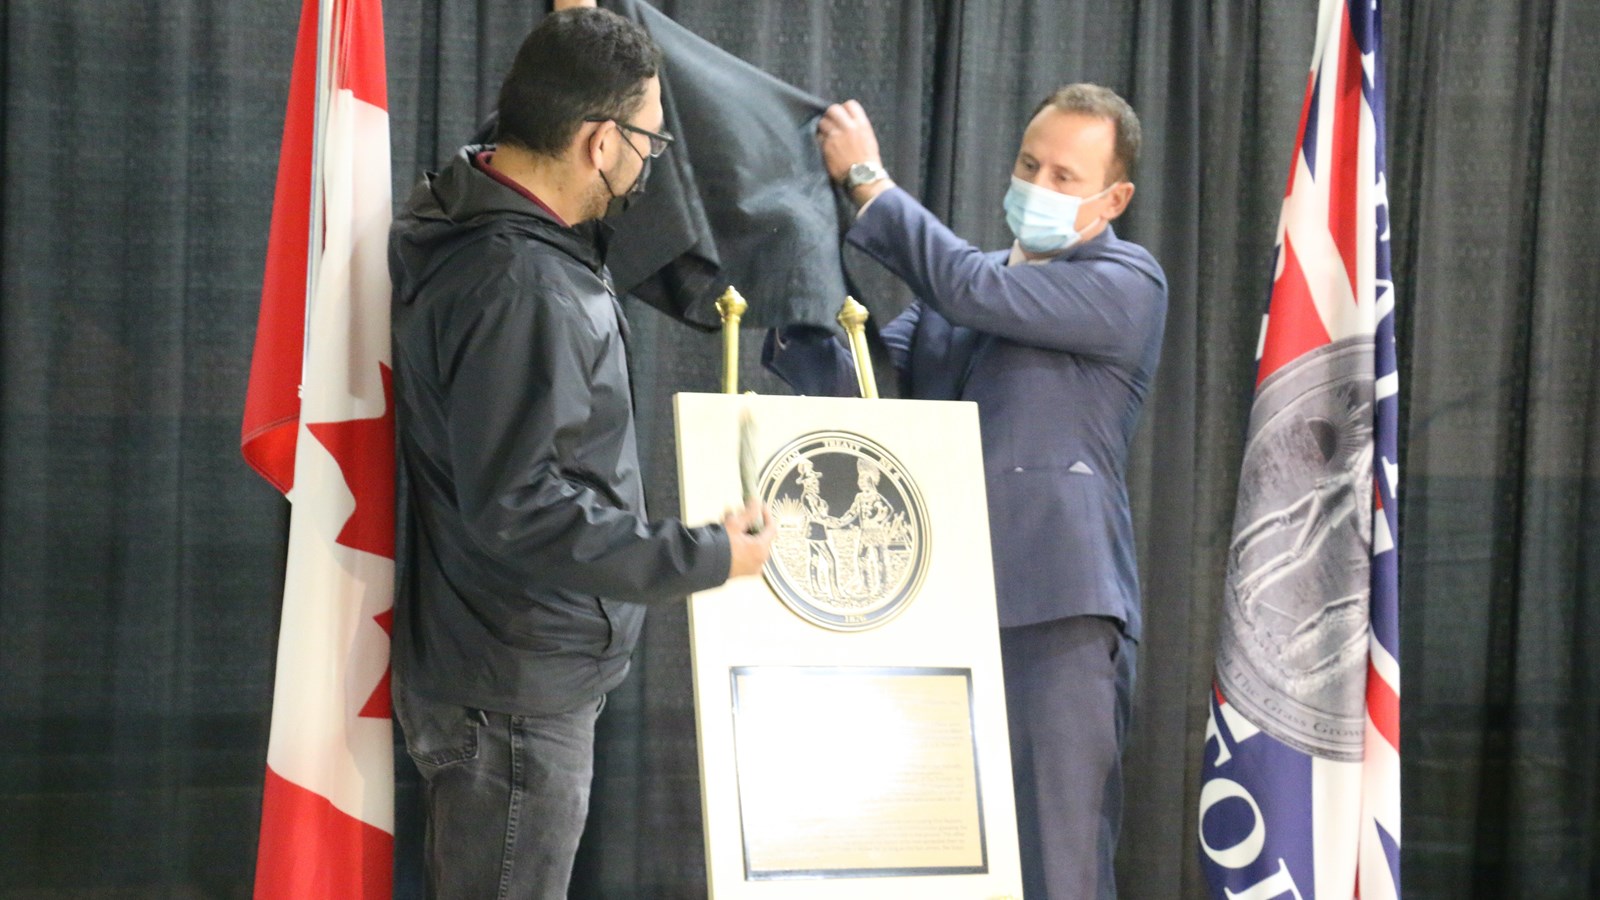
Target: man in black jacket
{"points": [[525, 552]]}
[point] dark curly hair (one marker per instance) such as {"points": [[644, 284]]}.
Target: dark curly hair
{"points": [[577, 64]]}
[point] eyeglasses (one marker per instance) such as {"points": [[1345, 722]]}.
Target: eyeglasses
{"points": [[658, 142]]}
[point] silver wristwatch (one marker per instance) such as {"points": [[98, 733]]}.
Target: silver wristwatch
{"points": [[863, 173]]}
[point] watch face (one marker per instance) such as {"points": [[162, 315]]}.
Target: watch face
{"points": [[861, 173]]}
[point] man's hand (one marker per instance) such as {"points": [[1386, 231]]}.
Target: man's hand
{"points": [[847, 138], [559, 5], [749, 550]]}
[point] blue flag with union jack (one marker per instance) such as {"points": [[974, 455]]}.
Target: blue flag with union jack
{"points": [[1300, 787]]}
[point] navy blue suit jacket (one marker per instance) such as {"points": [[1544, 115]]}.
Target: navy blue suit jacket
{"points": [[1059, 358]]}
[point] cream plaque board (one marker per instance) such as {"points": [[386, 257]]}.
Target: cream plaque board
{"points": [[849, 703]]}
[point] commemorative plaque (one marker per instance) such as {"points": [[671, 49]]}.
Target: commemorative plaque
{"points": [[899, 798], [849, 702]]}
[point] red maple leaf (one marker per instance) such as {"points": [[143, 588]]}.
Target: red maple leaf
{"points": [[377, 706], [364, 450]]}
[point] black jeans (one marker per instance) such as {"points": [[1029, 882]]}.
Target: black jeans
{"points": [[506, 796]]}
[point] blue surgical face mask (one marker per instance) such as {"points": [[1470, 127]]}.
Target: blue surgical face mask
{"points": [[1043, 220]]}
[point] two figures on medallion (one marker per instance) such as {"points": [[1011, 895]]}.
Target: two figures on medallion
{"points": [[846, 535], [853, 560]]}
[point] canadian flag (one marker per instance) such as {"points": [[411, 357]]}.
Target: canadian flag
{"points": [[319, 425]]}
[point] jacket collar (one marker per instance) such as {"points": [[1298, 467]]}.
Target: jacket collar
{"points": [[462, 194]]}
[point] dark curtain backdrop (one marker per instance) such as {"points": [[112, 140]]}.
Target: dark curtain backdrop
{"points": [[140, 561]]}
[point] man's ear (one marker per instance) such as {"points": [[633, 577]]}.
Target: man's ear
{"points": [[595, 139], [1121, 196]]}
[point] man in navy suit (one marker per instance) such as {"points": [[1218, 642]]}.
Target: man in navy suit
{"points": [[1057, 340]]}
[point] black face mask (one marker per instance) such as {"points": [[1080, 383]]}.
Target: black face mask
{"points": [[619, 203]]}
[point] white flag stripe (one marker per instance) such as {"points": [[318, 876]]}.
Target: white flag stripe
{"points": [[1382, 540], [1381, 794], [1386, 666], [332, 592], [1336, 826], [350, 313], [330, 638]]}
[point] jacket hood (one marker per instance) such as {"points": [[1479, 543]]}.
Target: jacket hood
{"points": [[459, 204]]}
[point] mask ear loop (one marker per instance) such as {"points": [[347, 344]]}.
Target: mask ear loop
{"points": [[1096, 196], [610, 192]]}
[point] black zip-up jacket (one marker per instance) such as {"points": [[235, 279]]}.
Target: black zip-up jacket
{"points": [[523, 550]]}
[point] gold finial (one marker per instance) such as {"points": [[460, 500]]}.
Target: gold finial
{"points": [[853, 318], [731, 306]]}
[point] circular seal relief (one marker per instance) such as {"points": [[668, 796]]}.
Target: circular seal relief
{"points": [[1293, 654], [852, 544]]}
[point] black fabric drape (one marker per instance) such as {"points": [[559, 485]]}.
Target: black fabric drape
{"points": [[140, 560], [1497, 193], [745, 199], [138, 564]]}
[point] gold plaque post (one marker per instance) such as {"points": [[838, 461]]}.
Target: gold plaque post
{"points": [[731, 306], [853, 318]]}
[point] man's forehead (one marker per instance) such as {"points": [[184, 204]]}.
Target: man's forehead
{"points": [[1070, 139]]}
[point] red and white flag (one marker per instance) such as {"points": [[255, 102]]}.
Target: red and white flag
{"points": [[319, 425]]}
